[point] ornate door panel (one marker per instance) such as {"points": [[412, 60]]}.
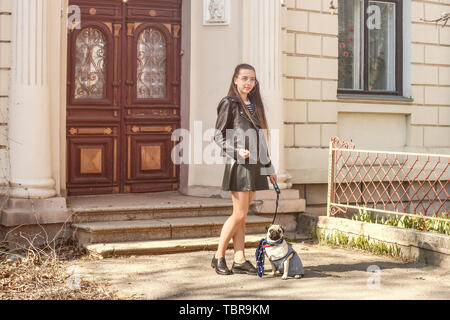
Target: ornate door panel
{"points": [[123, 94]]}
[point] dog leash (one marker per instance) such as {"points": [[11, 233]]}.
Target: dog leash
{"points": [[277, 189], [260, 250]]}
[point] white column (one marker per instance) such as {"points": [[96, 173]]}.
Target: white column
{"points": [[263, 49], [29, 112]]}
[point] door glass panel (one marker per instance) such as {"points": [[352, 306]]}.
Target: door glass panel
{"points": [[90, 64], [151, 65]]}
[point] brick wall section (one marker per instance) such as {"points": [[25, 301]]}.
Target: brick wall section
{"points": [[311, 107], [430, 72], [5, 65], [310, 82]]}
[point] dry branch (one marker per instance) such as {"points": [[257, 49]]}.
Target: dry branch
{"points": [[444, 18], [42, 273]]}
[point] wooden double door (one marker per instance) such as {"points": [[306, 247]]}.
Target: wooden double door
{"points": [[123, 96]]}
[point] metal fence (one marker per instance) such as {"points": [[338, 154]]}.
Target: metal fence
{"points": [[409, 184]]}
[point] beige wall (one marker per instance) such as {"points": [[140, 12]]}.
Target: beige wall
{"points": [[5, 65], [314, 113], [214, 53], [430, 119]]}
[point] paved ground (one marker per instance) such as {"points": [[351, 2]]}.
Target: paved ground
{"points": [[329, 274]]}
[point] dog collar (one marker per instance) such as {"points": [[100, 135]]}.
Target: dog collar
{"points": [[271, 244]]}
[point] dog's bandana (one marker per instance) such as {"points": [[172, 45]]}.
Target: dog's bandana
{"points": [[260, 253]]}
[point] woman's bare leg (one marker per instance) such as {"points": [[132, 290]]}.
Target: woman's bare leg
{"points": [[239, 236], [240, 210]]}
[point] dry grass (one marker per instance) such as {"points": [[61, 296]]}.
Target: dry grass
{"points": [[47, 272]]}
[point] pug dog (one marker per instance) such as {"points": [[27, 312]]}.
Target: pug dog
{"points": [[283, 258]]}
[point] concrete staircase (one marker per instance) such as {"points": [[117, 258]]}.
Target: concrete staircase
{"points": [[153, 223]]}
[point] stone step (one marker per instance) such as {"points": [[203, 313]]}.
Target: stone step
{"points": [[148, 213], [157, 247], [159, 229], [131, 207]]}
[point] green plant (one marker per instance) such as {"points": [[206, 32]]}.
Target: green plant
{"points": [[361, 242], [417, 223], [314, 234]]}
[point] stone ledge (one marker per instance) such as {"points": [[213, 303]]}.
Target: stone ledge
{"points": [[426, 247], [172, 228], [18, 237], [285, 194], [19, 212], [121, 226], [284, 206], [150, 208], [164, 246], [288, 220]]}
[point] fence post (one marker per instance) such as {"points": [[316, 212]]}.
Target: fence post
{"points": [[330, 176]]}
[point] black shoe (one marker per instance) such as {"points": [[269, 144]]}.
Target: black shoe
{"points": [[221, 266], [245, 267]]}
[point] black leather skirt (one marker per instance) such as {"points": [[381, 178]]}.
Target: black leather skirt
{"points": [[244, 177]]}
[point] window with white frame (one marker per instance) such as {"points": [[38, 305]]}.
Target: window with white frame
{"points": [[370, 47]]}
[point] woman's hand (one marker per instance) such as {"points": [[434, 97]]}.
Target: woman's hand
{"points": [[244, 153], [273, 178]]}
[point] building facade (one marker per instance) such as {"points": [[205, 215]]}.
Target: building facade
{"points": [[91, 92]]}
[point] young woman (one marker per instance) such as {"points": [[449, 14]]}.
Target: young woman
{"points": [[240, 119]]}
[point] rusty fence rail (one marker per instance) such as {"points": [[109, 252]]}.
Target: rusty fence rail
{"points": [[411, 184]]}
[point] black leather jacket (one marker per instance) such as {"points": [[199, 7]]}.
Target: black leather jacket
{"points": [[234, 131]]}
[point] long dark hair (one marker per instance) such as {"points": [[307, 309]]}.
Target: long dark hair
{"points": [[254, 95]]}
